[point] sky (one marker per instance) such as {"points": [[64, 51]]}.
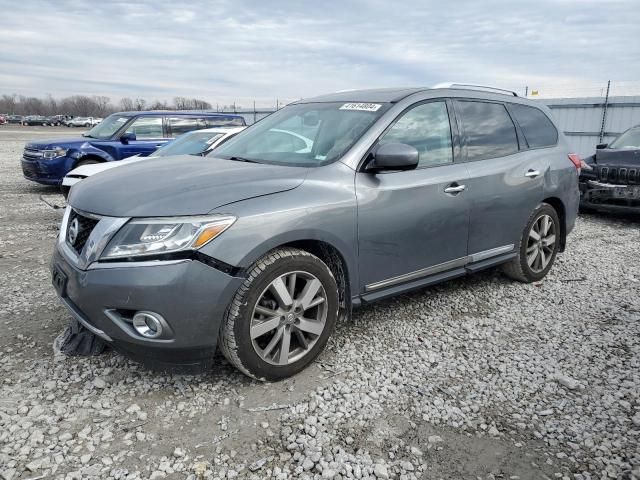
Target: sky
{"points": [[263, 51]]}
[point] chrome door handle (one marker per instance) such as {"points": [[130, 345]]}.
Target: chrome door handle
{"points": [[456, 189], [532, 173]]}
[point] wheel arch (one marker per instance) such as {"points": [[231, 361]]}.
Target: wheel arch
{"points": [[90, 156], [560, 209]]}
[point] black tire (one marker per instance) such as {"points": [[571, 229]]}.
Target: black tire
{"points": [[235, 338], [518, 268]]}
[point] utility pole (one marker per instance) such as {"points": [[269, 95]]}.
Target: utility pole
{"points": [[276, 104], [526, 90], [604, 111], [254, 111]]}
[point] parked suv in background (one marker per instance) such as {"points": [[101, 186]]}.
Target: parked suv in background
{"points": [[262, 248], [610, 179], [119, 136]]}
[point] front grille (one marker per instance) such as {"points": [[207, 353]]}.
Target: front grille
{"points": [[79, 228], [619, 175], [31, 154]]}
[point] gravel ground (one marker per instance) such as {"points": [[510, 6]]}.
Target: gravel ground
{"points": [[476, 378]]}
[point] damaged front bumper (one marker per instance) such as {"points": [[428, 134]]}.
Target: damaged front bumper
{"points": [[611, 197]]}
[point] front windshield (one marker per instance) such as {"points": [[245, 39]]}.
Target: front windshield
{"points": [[107, 127], [193, 143], [629, 139], [308, 134]]}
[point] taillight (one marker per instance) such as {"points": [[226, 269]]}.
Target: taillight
{"points": [[576, 160]]}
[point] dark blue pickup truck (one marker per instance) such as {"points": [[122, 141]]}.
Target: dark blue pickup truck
{"points": [[118, 136]]}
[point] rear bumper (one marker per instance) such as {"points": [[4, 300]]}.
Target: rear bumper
{"points": [[191, 297], [609, 197]]}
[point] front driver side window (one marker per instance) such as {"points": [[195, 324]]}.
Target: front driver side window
{"points": [[425, 127], [146, 127]]}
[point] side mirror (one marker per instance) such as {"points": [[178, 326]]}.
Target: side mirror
{"points": [[127, 137], [394, 156], [600, 146]]}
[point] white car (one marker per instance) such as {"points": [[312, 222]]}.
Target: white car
{"points": [[197, 142], [83, 122]]}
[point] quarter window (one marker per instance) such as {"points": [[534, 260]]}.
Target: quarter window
{"points": [[536, 126], [425, 127], [488, 129], [146, 127]]}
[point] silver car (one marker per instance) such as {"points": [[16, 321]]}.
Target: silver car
{"points": [[328, 204]]}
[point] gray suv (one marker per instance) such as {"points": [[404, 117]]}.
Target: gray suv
{"points": [[327, 204]]}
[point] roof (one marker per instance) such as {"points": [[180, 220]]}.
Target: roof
{"points": [[175, 112], [378, 95], [392, 95]]}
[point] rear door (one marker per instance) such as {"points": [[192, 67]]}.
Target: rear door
{"points": [[506, 181], [409, 227]]}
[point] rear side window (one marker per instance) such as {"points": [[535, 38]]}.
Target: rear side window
{"points": [[180, 125], [225, 121], [536, 126], [488, 129]]}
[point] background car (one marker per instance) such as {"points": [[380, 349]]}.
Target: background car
{"points": [[32, 120], [81, 122], [610, 179], [3, 119], [14, 119], [198, 142]]}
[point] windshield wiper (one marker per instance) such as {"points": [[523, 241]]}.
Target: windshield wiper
{"points": [[242, 159]]}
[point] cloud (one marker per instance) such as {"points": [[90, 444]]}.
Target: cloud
{"points": [[226, 51]]}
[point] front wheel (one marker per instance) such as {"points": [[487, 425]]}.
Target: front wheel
{"points": [[538, 246], [281, 316]]}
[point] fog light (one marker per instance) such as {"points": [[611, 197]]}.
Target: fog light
{"points": [[148, 324]]}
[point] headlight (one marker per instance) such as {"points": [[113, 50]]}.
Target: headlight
{"points": [[154, 236], [53, 153]]}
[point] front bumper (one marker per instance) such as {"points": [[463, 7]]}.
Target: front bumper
{"points": [[610, 197], [47, 172], [192, 297]]}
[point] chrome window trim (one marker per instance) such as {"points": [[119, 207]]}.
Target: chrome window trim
{"points": [[441, 267]]}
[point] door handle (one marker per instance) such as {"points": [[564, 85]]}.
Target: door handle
{"points": [[454, 188], [532, 173]]}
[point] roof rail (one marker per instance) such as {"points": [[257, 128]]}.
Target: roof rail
{"points": [[470, 86]]}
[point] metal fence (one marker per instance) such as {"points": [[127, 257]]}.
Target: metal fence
{"points": [[592, 120]]}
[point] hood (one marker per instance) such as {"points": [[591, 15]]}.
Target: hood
{"points": [[66, 142], [608, 156], [180, 185]]}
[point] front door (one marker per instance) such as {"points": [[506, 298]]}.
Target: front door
{"points": [[413, 224]]}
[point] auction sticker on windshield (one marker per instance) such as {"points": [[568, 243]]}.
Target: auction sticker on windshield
{"points": [[367, 107]]}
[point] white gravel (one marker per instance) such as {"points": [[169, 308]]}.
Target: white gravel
{"points": [[476, 378]]}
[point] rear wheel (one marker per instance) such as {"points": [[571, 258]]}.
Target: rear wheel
{"points": [[538, 246], [282, 316]]}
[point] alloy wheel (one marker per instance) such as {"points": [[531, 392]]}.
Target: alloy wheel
{"points": [[541, 243], [288, 318]]}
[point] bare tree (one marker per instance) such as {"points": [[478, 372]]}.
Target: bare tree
{"points": [[126, 104], [140, 104]]}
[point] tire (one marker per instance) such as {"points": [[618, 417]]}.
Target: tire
{"points": [[86, 162], [253, 356], [535, 257]]}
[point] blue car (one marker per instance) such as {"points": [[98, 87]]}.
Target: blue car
{"points": [[119, 136]]}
